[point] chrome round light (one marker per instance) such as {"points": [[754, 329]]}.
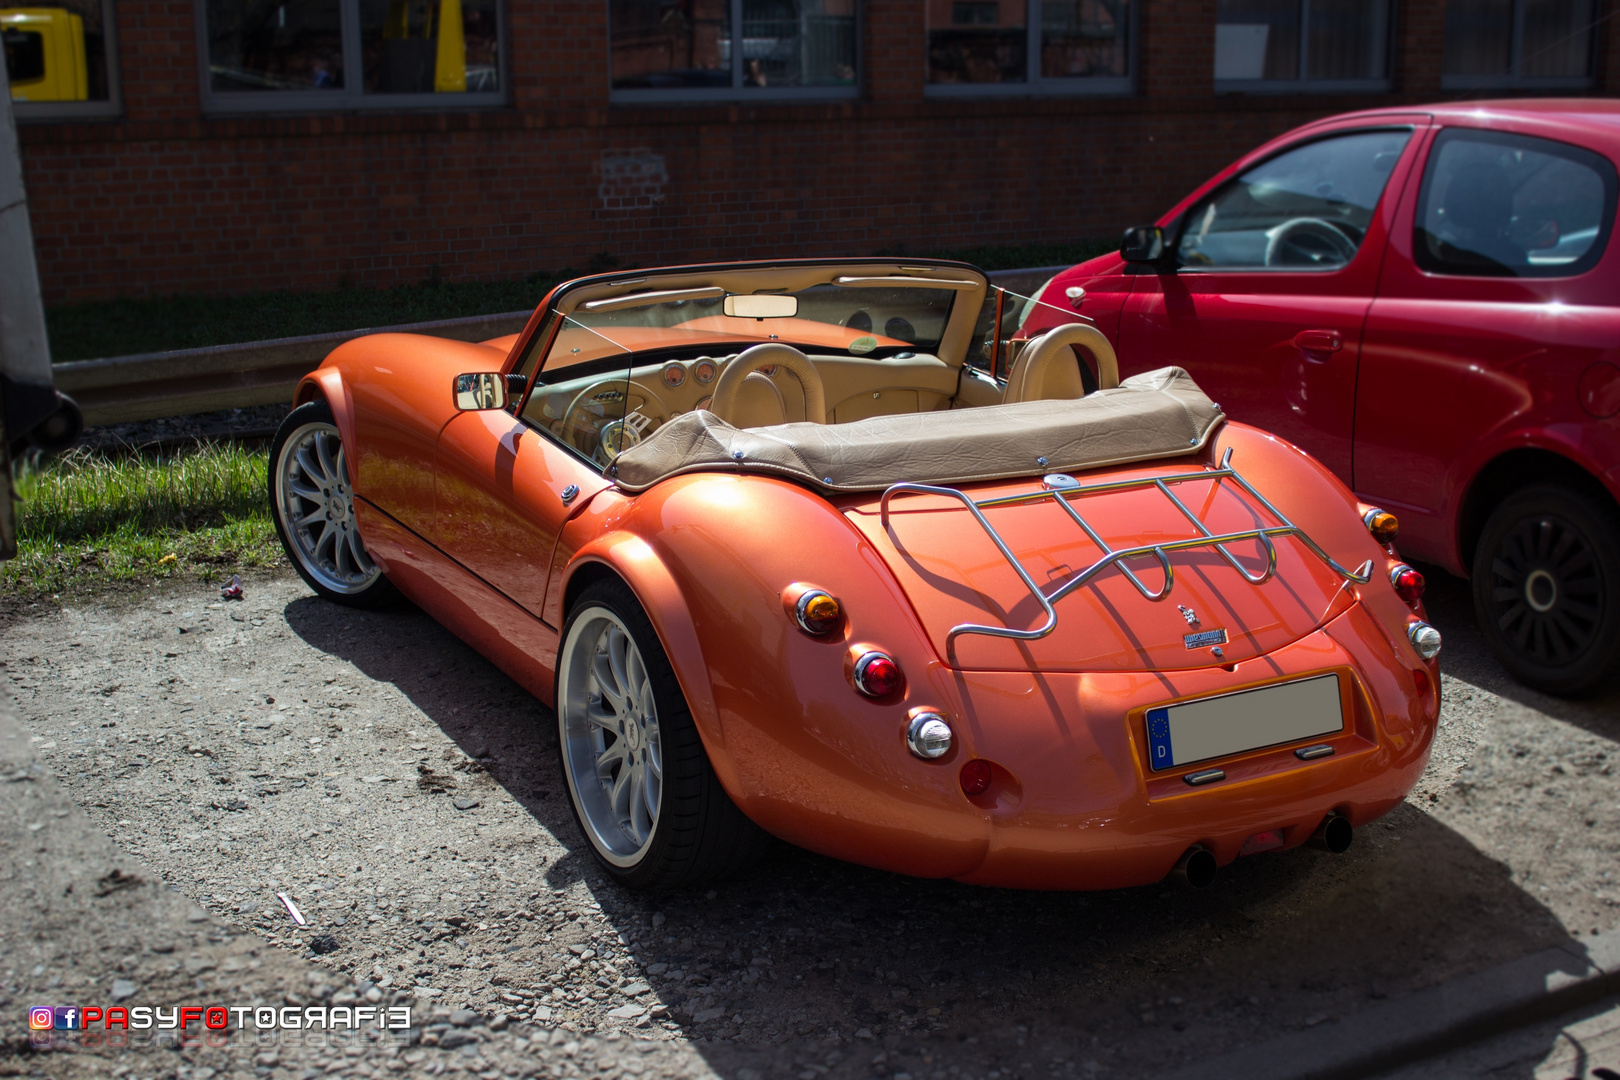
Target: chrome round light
{"points": [[928, 736], [1409, 584], [1425, 639], [1383, 525], [816, 612], [876, 674]]}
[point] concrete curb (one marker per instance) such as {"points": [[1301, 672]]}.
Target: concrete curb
{"points": [[146, 386], [1431, 1021]]}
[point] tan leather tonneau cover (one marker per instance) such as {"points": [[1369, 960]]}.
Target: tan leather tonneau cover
{"points": [[1156, 414]]}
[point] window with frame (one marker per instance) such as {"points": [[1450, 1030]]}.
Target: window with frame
{"points": [[61, 59], [1308, 208], [685, 50], [1499, 205], [1294, 45], [1030, 46], [320, 54], [1491, 43]]}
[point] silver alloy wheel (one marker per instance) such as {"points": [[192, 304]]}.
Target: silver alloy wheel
{"points": [[317, 510], [608, 723]]}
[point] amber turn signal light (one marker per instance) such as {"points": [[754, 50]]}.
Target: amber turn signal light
{"points": [[1383, 525], [817, 613], [1408, 583]]}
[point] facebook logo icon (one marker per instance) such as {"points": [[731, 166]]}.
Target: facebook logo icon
{"points": [[66, 1017]]}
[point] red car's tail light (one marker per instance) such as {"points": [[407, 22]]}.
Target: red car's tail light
{"points": [[817, 613], [1408, 583], [876, 674], [1383, 525], [975, 777]]}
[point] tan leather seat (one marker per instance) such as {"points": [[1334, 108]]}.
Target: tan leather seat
{"points": [[742, 401], [1047, 369], [758, 403]]}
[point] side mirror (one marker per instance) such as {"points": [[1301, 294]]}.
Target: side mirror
{"points": [[1142, 244], [480, 391]]}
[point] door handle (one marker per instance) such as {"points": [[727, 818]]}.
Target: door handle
{"points": [[1319, 340]]}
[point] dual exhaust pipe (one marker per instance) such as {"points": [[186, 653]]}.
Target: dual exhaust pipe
{"points": [[1196, 869]]}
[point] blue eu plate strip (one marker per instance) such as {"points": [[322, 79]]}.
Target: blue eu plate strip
{"points": [[1160, 753]]}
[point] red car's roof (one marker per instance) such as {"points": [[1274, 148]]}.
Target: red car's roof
{"points": [[1593, 121]]}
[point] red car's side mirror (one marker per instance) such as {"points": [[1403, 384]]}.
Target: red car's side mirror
{"points": [[1142, 244]]}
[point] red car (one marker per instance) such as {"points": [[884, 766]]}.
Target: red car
{"points": [[1427, 300]]}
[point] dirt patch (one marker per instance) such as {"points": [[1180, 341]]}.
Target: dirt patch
{"points": [[405, 797]]}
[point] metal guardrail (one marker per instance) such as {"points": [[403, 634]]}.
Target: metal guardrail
{"points": [[151, 385]]}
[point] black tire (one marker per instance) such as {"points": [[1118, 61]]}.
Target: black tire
{"points": [[1547, 588], [698, 834], [348, 576]]}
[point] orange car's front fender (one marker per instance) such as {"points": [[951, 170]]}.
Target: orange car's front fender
{"points": [[327, 382]]}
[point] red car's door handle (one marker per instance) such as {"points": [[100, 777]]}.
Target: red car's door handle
{"points": [[1319, 340]]}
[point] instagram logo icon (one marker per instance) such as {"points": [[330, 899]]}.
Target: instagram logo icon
{"points": [[41, 1018]]}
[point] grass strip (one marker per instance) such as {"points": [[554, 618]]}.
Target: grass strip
{"points": [[125, 327], [87, 519]]}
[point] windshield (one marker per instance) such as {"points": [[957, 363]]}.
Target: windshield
{"points": [[621, 364], [830, 319]]}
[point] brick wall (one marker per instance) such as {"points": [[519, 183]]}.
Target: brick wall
{"points": [[165, 200]]}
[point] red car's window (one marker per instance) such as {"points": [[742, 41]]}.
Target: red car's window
{"points": [[1308, 208], [1499, 205]]}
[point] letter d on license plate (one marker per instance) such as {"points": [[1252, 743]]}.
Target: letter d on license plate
{"points": [[1213, 727]]}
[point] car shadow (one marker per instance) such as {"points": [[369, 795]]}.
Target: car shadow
{"points": [[851, 970], [1466, 656]]}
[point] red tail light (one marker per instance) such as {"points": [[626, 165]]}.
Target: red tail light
{"points": [[1408, 583], [877, 675], [975, 777]]}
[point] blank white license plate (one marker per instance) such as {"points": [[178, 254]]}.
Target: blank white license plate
{"points": [[1216, 726]]}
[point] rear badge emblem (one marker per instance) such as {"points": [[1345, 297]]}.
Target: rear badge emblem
{"points": [[1204, 639], [1189, 614]]}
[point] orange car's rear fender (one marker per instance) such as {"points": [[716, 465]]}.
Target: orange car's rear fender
{"points": [[795, 746]]}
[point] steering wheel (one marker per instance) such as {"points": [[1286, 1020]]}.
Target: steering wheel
{"points": [[617, 434], [772, 354], [1309, 242]]}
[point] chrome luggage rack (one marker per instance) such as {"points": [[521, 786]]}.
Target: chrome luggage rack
{"points": [[1062, 489]]}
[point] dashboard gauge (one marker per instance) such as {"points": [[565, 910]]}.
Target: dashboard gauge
{"points": [[674, 375], [703, 371], [769, 371], [704, 404]]}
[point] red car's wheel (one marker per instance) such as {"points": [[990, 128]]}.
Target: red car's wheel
{"points": [[312, 504], [1547, 588], [639, 781]]}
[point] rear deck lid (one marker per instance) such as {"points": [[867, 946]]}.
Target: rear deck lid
{"points": [[953, 572]]}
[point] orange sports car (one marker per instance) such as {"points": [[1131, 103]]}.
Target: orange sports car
{"points": [[803, 550]]}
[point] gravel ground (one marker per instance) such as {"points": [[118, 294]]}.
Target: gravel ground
{"points": [[405, 795]]}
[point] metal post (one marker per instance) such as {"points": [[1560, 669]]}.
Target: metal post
{"points": [[27, 392]]}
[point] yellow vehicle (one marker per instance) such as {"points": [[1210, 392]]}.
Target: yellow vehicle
{"points": [[45, 57]]}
